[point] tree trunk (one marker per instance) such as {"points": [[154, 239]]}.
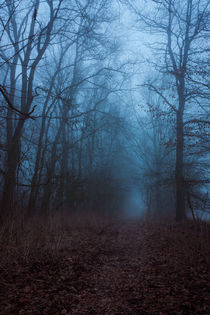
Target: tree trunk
{"points": [[179, 171], [13, 154], [51, 170]]}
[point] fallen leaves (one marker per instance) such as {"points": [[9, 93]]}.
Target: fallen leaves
{"points": [[128, 268]]}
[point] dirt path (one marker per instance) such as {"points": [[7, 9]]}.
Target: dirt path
{"points": [[118, 269], [115, 278]]}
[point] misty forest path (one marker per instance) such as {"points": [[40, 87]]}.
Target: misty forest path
{"points": [[118, 268]]}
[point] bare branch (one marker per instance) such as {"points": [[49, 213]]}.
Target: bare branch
{"points": [[25, 115]]}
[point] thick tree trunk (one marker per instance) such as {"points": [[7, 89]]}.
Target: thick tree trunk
{"points": [[179, 171], [35, 179], [8, 197], [51, 171]]}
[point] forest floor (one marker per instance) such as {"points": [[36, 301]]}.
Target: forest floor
{"points": [[116, 267]]}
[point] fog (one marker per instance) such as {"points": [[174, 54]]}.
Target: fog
{"points": [[133, 206], [104, 105]]}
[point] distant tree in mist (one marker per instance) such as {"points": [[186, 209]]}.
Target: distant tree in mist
{"points": [[154, 150]]}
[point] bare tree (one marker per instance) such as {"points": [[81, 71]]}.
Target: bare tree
{"points": [[181, 27]]}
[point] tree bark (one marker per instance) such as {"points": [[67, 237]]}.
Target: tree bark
{"points": [[179, 176]]}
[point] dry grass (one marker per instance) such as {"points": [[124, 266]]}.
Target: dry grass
{"points": [[22, 238]]}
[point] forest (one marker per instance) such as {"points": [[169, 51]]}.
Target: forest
{"points": [[104, 157]]}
